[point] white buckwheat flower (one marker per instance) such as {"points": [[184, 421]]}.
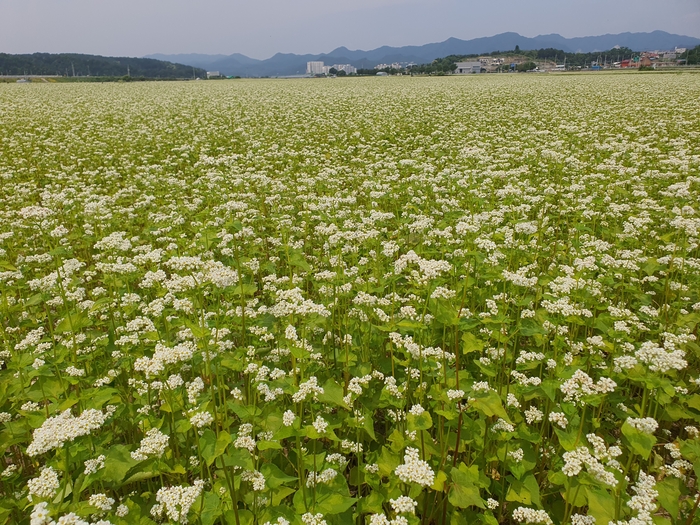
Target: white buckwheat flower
{"points": [[558, 418], [320, 425], [648, 425], [415, 470], [176, 501], [93, 465], [533, 415], [403, 505], [102, 502], [201, 419], [531, 516], [55, 431], [288, 418], [45, 484], [153, 444], [313, 519]]}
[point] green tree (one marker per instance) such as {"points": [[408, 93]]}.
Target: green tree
{"points": [[691, 56], [526, 66]]}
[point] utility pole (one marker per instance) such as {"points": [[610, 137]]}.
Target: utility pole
{"points": [[73, 66], [128, 70]]}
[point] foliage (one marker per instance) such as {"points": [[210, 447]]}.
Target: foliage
{"points": [[73, 64], [454, 300], [691, 56], [526, 66]]}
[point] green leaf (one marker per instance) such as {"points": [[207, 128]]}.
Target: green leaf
{"points": [[274, 475], [211, 509], [422, 422], [526, 491], [601, 505], [332, 394], [471, 343], [568, 440], [245, 517], [73, 322], [530, 327], [439, 483], [207, 446], [387, 462], [222, 442], [238, 458], [98, 397], [368, 426], [334, 503], [464, 493], [245, 289], [490, 404], [445, 313], [280, 493], [669, 495], [268, 445], [531, 484], [297, 259], [640, 442], [196, 329], [118, 462], [371, 504]]}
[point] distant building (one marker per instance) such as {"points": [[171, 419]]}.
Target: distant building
{"points": [[680, 50], [466, 68], [212, 74], [314, 68], [349, 69]]}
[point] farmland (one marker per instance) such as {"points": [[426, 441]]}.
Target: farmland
{"points": [[384, 301]]}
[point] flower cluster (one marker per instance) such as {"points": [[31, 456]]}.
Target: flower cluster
{"points": [[415, 470]]}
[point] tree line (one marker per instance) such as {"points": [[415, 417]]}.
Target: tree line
{"points": [[691, 56], [78, 65]]}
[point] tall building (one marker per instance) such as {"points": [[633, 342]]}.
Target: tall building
{"points": [[314, 68], [348, 68]]}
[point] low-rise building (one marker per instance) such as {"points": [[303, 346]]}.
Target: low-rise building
{"points": [[466, 68], [213, 74]]}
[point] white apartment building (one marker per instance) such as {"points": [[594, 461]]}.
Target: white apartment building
{"points": [[314, 68], [349, 69]]}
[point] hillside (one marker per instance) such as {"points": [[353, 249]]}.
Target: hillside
{"points": [[70, 64]]}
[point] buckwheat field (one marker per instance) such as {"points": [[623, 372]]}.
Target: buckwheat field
{"points": [[371, 301]]}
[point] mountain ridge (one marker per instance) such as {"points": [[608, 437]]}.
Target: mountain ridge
{"points": [[282, 64]]}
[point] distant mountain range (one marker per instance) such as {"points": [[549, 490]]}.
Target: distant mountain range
{"points": [[290, 64]]}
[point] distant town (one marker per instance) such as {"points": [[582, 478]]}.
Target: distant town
{"points": [[515, 61]]}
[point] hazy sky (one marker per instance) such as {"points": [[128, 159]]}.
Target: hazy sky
{"points": [[260, 28]]}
